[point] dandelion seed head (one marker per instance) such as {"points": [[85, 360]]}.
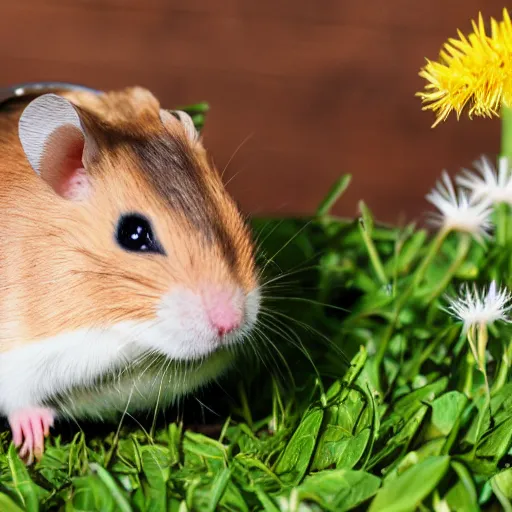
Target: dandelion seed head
{"points": [[457, 211], [486, 306], [487, 182]]}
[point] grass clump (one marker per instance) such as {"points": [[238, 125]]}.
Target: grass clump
{"points": [[326, 419], [360, 390]]}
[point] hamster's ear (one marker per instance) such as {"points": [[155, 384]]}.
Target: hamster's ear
{"points": [[56, 145], [172, 117]]}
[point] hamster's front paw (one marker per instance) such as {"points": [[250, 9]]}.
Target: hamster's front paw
{"points": [[29, 428]]}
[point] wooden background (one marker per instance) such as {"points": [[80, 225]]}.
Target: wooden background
{"points": [[308, 89]]}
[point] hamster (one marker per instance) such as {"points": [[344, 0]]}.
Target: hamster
{"points": [[127, 272]]}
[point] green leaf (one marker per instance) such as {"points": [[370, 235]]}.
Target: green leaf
{"points": [[7, 505], [202, 450], [501, 484], [219, 487], [407, 491], [367, 218], [495, 443], [175, 434], [462, 496], [409, 252], [90, 493], [268, 503], [156, 467], [23, 484], [446, 410], [334, 194], [117, 495], [338, 443], [338, 490], [348, 452], [296, 457], [408, 405]]}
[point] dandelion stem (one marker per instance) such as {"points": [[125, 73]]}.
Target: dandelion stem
{"points": [[502, 373], [467, 387], [501, 223], [506, 151], [482, 345], [506, 132], [462, 251], [472, 344]]}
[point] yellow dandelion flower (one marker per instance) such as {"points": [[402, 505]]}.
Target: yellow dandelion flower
{"points": [[473, 72]]}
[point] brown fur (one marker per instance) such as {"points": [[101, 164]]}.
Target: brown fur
{"points": [[60, 266]]}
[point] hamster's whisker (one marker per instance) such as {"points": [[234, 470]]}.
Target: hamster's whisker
{"points": [[270, 298], [258, 241], [115, 441], [146, 433], [244, 141], [164, 374], [284, 275], [307, 327], [267, 341], [287, 334], [68, 412], [292, 238]]}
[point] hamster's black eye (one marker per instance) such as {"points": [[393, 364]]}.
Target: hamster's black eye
{"points": [[134, 234]]}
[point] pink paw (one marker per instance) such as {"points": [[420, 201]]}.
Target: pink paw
{"points": [[29, 428]]}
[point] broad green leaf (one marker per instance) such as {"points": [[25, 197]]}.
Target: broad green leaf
{"points": [[200, 495], [410, 403], [338, 490], [219, 485], [7, 505], [267, 503], [202, 450], [407, 491], [233, 499], [445, 411], [296, 457], [399, 443], [156, 467], [462, 496], [336, 447], [23, 484], [501, 485], [90, 493], [495, 443], [175, 434], [115, 492]]}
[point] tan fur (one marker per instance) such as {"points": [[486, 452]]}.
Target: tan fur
{"points": [[60, 267]]}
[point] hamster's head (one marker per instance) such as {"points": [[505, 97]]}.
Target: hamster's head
{"points": [[150, 243]]}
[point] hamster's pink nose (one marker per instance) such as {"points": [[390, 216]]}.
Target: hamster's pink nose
{"points": [[222, 311]]}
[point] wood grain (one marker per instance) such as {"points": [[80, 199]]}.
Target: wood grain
{"points": [[309, 90]]}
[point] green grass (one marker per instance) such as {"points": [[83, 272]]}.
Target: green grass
{"points": [[362, 394]]}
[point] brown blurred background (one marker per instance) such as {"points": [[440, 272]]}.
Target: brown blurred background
{"points": [[305, 90]]}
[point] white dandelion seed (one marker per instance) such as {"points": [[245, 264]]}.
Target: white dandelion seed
{"points": [[487, 182], [457, 211], [481, 307]]}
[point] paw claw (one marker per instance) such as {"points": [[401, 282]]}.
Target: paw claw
{"points": [[29, 429]]}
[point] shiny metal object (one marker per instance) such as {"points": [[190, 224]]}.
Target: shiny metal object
{"points": [[35, 88]]}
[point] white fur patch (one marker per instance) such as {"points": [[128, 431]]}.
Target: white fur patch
{"points": [[72, 364]]}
